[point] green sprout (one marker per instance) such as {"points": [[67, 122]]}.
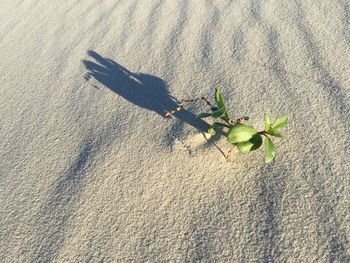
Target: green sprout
{"points": [[241, 135]]}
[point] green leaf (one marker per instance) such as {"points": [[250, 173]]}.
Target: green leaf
{"points": [[219, 99], [220, 104], [254, 143], [216, 114], [219, 113], [267, 121], [204, 115], [211, 131], [280, 122], [240, 133], [269, 150], [275, 133]]}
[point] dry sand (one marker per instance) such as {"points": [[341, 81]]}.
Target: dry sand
{"points": [[91, 172]]}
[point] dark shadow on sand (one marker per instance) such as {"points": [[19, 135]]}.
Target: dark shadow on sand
{"points": [[144, 90]]}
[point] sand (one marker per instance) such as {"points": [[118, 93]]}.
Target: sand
{"points": [[90, 171]]}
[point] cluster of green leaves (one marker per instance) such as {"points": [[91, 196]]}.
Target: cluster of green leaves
{"points": [[244, 136], [219, 111]]}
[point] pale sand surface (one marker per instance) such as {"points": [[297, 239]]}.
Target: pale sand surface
{"points": [[91, 172]]}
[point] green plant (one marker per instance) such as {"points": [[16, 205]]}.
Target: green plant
{"points": [[241, 135]]}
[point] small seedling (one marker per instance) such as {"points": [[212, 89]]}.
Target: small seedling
{"points": [[241, 135]]}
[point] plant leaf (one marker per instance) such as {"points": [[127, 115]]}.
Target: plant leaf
{"points": [[280, 122], [254, 143], [269, 150], [267, 121], [219, 99], [216, 114], [204, 115], [219, 113], [240, 133], [211, 131], [275, 133]]}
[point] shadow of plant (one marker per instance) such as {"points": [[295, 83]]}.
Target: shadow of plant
{"points": [[144, 90]]}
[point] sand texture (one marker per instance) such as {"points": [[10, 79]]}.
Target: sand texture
{"points": [[90, 171]]}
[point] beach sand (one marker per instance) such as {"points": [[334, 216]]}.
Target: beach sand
{"points": [[90, 171]]}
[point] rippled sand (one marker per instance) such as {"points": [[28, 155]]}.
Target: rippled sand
{"points": [[91, 172]]}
